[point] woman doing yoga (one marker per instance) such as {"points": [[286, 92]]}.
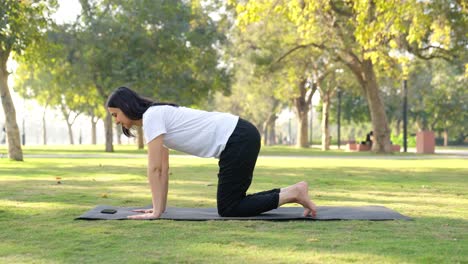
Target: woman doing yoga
{"points": [[233, 140]]}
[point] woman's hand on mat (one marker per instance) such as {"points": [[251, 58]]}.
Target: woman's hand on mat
{"points": [[145, 211], [147, 214], [309, 212]]}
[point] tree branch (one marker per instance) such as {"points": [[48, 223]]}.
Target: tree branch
{"points": [[320, 46], [313, 89], [418, 52], [74, 119]]}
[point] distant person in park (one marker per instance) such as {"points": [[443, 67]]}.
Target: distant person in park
{"points": [[233, 140], [369, 139]]}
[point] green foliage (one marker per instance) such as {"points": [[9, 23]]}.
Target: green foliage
{"points": [[261, 86], [249, 99], [398, 140], [373, 29], [354, 108], [22, 22], [165, 49], [46, 73], [260, 49], [438, 97]]}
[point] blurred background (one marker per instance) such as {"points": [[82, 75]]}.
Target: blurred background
{"points": [[304, 72]]}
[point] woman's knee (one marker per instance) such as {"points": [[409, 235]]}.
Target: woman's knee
{"points": [[225, 212]]}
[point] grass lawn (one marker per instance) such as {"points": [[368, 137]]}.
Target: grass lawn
{"points": [[279, 150], [37, 226]]}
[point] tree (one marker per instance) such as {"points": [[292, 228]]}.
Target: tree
{"points": [[292, 78], [439, 99], [164, 49], [327, 88], [21, 22], [252, 97], [362, 34], [46, 73]]}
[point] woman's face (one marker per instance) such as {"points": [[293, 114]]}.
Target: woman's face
{"points": [[120, 117]]}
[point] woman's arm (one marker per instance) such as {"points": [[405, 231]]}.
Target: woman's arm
{"points": [[165, 171], [158, 168]]}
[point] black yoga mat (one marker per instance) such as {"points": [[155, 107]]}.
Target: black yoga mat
{"points": [[371, 212]]}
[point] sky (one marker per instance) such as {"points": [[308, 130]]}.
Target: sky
{"points": [[67, 12]]}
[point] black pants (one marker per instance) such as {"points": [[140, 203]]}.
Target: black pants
{"points": [[236, 166]]}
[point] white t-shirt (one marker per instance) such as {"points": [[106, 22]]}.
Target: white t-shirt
{"points": [[192, 131]]}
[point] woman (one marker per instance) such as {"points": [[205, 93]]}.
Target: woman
{"points": [[233, 140]]}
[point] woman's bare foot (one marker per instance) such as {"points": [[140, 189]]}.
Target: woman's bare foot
{"points": [[298, 193]]}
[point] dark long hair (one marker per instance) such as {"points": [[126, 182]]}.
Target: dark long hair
{"points": [[132, 104]]}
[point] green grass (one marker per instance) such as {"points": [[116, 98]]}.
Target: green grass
{"points": [[37, 226]]}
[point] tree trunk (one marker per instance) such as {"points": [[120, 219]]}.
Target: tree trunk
{"points": [[265, 133], [377, 110], [44, 127], [398, 127], [140, 143], [269, 135], [325, 114], [302, 109], [66, 116], [11, 126], [445, 137], [108, 132], [118, 133], [268, 127], [303, 129], [271, 130], [93, 130], [364, 72], [70, 133], [107, 121]]}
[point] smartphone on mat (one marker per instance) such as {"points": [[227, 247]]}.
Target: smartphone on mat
{"points": [[108, 211]]}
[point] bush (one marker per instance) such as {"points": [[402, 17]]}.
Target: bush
{"points": [[457, 142], [398, 140]]}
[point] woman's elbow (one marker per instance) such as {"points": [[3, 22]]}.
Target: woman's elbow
{"points": [[154, 170], [159, 171]]}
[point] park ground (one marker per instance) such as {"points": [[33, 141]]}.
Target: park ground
{"points": [[37, 214]]}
